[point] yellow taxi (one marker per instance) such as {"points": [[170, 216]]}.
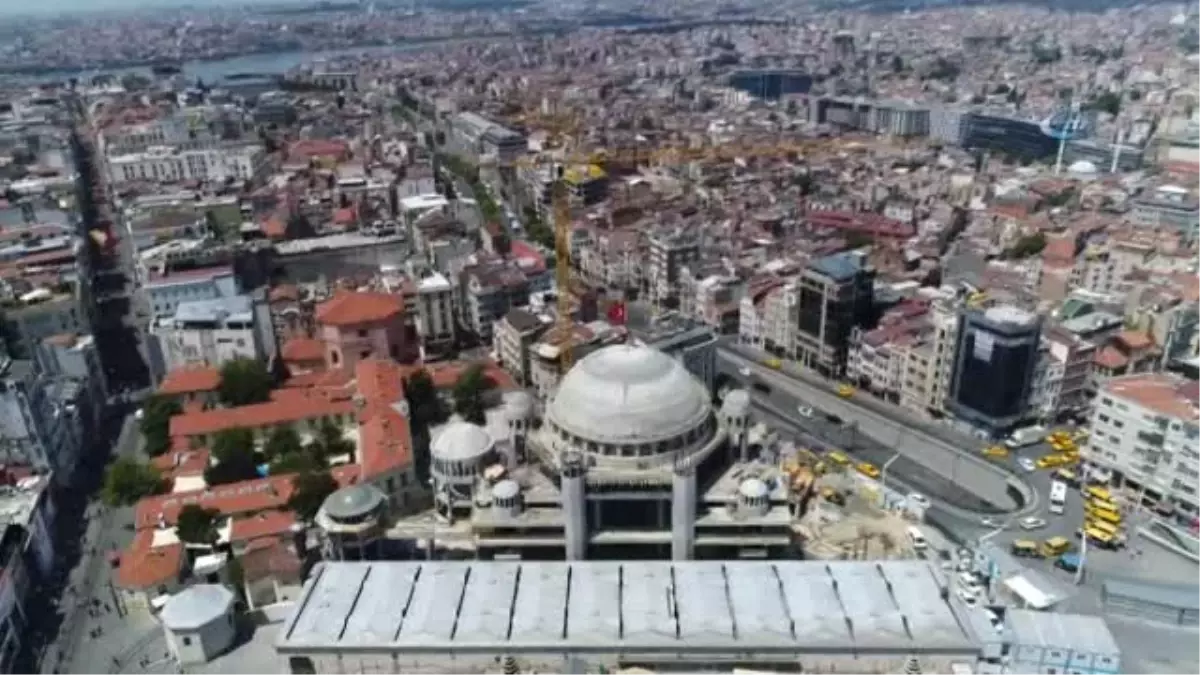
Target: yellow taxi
{"points": [[845, 390], [773, 363], [1052, 461], [1052, 548], [1097, 492], [996, 452], [838, 457], [868, 469]]}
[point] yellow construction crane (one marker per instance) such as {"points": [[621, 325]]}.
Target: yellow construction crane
{"points": [[664, 156]]}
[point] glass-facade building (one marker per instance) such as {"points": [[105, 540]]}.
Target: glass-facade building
{"points": [[994, 366]]}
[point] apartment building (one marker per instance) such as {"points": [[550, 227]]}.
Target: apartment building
{"points": [[669, 253], [1168, 206], [513, 337], [1076, 357], [1144, 430], [39, 314], [435, 314], [212, 333], [752, 311], [163, 164], [39, 428], [487, 291], [486, 139], [836, 294], [878, 359], [357, 326]]}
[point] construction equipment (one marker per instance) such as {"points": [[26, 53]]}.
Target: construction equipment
{"points": [[565, 128]]}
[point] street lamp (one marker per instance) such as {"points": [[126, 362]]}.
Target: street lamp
{"points": [[883, 479]]}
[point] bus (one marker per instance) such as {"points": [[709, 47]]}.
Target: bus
{"points": [[1058, 497]]}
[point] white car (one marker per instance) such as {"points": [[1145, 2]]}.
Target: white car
{"points": [[139, 414], [1027, 465], [744, 371], [990, 522], [805, 411], [968, 597], [918, 499], [1032, 523]]}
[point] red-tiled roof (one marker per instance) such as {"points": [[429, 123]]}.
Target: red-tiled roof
{"points": [[181, 462], [349, 308], [261, 524], [143, 566], [1111, 358], [385, 441], [445, 374], [259, 415], [303, 350], [190, 381], [380, 380], [1162, 393], [1135, 340], [270, 557]]}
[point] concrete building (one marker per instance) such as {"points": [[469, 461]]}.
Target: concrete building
{"points": [[513, 337], [27, 557], [1168, 206], [435, 314], [486, 139], [1144, 430], [162, 164], [899, 118], [199, 623], [669, 254], [835, 296], [487, 291], [821, 617], [166, 289], [37, 429], [212, 333], [40, 314]]}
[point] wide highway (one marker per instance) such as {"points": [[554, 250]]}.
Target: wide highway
{"points": [[876, 431]]}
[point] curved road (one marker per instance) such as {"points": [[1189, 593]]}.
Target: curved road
{"points": [[954, 460]]}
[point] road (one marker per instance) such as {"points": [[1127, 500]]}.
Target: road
{"points": [[86, 629], [952, 456]]}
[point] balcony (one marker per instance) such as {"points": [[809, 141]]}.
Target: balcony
{"points": [[1153, 439]]}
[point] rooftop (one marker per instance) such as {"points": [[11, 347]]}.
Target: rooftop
{"points": [[349, 308], [552, 605], [1164, 394]]}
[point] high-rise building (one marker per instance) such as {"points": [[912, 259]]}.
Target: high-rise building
{"points": [[836, 295], [995, 360]]}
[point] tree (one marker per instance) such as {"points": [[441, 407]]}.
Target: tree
{"points": [[1109, 102], [425, 409], [309, 492], [244, 381], [330, 442], [1027, 246], [283, 442], [197, 525], [469, 391], [233, 454], [156, 423], [127, 480]]}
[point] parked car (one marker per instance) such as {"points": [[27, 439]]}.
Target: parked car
{"points": [[804, 411], [1027, 465], [918, 499], [1032, 523]]}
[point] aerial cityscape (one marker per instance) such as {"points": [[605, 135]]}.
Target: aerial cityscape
{"points": [[738, 336]]}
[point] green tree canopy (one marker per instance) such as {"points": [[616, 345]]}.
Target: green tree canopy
{"points": [[425, 406], [329, 442], [282, 442], [233, 456], [127, 480], [245, 381], [1109, 102], [156, 423], [310, 491], [197, 525], [469, 393], [1029, 245]]}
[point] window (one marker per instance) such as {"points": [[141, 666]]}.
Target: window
{"points": [[187, 641], [301, 665], [334, 357], [362, 333]]}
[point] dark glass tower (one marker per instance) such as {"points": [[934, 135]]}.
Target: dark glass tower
{"points": [[994, 364]]}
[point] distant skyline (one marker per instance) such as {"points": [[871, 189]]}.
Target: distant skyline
{"points": [[51, 7]]}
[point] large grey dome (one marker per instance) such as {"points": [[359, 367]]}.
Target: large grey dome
{"points": [[629, 394], [353, 501], [459, 440]]}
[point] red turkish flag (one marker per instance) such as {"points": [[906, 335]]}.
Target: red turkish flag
{"points": [[616, 313]]}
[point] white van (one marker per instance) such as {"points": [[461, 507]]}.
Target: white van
{"points": [[917, 539]]}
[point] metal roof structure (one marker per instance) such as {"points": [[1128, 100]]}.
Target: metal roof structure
{"points": [[1080, 633], [792, 606]]}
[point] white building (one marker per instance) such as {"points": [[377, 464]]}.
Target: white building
{"points": [[199, 623], [163, 164], [435, 313], [1144, 430], [167, 289], [211, 333]]}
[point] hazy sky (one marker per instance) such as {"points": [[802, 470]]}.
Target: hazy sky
{"points": [[64, 6]]}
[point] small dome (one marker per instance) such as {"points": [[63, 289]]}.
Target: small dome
{"points": [[461, 441], [753, 488], [629, 394], [506, 489], [353, 501], [736, 403], [518, 405], [196, 606], [1083, 166]]}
